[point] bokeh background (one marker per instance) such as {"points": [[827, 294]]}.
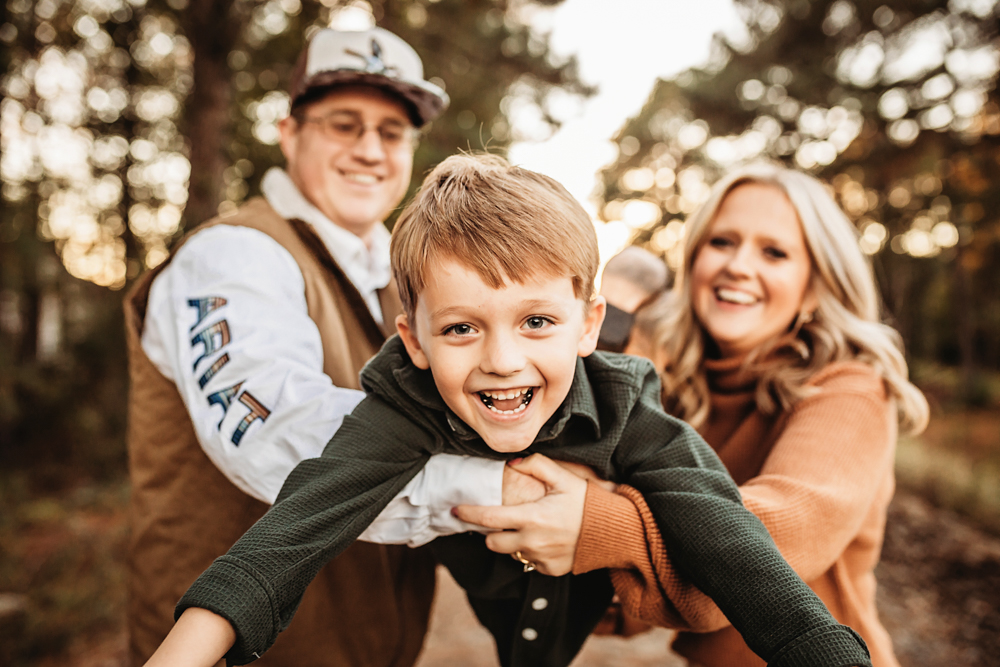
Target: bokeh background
{"points": [[125, 122]]}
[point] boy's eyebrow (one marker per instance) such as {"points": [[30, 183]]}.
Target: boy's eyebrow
{"points": [[529, 305], [538, 304], [447, 311]]}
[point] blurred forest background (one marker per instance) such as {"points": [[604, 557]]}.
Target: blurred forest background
{"points": [[125, 122]]}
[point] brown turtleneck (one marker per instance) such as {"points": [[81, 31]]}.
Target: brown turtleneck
{"points": [[819, 476]]}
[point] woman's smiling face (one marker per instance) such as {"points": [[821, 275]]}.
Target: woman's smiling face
{"points": [[750, 277]]}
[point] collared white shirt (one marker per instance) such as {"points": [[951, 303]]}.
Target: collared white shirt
{"points": [[227, 322], [367, 267]]}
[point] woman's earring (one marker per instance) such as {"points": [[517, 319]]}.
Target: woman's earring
{"points": [[800, 346], [803, 318]]}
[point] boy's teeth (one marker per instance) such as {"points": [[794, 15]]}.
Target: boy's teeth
{"points": [[524, 394], [519, 408], [736, 296], [502, 395]]}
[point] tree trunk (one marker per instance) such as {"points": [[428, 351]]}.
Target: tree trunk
{"points": [[212, 28], [966, 328]]}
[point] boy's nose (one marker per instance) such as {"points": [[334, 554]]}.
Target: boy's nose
{"points": [[502, 357]]}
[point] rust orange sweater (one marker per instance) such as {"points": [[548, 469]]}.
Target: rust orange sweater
{"points": [[819, 476]]}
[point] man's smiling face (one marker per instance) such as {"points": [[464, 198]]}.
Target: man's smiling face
{"points": [[354, 181], [502, 359]]}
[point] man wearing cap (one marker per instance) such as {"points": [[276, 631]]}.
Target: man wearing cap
{"points": [[244, 353]]}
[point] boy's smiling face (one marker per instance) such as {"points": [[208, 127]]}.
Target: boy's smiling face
{"points": [[484, 345]]}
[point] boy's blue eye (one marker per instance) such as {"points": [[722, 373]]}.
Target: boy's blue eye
{"points": [[536, 322], [459, 329]]}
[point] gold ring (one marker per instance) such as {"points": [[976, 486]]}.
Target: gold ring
{"points": [[528, 565]]}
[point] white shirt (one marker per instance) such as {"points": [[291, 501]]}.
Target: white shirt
{"points": [[367, 267], [227, 323]]}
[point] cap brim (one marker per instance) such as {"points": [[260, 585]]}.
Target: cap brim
{"points": [[425, 100]]}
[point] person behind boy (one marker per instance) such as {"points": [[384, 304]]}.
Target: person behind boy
{"points": [[244, 353], [630, 279], [495, 266], [643, 334]]}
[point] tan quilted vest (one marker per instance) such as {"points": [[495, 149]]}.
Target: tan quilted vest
{"points": [[369, 607]]}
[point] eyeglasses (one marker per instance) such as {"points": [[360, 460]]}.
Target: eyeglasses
{"points": [[347, 129]]}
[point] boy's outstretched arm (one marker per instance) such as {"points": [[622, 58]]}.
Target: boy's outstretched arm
{"points": [[324, 505], [199, 639]]}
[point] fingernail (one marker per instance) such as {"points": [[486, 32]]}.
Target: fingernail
{"points": [[514, 462], [454, 511]]}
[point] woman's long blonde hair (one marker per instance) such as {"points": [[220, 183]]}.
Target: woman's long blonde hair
{"points": [[845, 325]]}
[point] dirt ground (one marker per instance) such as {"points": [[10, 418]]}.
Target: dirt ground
{"points": [[939, 596], [939, 587]]}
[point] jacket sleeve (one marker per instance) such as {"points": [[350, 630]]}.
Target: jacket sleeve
{"points": [[644, 577], [323, 506], [722, 548], [812, 494]]}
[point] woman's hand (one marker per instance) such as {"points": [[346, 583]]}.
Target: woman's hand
{"points": [[520, 487], [545, 530]]}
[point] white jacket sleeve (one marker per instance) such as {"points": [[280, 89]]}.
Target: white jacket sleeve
{"points": [[227, 323]]}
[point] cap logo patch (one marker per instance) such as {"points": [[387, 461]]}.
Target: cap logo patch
{"points": [[374, 63]]}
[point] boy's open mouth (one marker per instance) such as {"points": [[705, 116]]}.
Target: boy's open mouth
{"points": [[507, 402]]}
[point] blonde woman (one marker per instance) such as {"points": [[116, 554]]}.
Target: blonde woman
{"points": [[777, 355], [779, 358]]}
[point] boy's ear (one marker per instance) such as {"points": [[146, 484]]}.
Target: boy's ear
{"points": [[592, 327], [409, 338]]}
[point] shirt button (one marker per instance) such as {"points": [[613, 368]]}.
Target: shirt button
{"points": [[530, 634], [539, 604]]}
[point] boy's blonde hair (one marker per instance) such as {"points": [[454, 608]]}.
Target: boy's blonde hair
{"points": [[504, 222], [845, 325]]}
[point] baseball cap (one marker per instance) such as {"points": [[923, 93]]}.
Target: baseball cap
{"points": [[374, 57]]}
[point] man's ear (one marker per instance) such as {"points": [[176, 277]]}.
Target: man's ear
{"points": [[288, 132], [409, 338], [592, 327]]}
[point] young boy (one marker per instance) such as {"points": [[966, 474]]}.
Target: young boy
{"points": [[495, 266]]}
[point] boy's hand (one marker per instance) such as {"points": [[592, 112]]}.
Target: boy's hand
{"points": [[200, 638], [545, 531]]}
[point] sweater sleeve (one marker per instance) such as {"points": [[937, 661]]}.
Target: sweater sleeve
{"points": [[642, 572], [818, 484], [721, 547], [813, 492], [323, 506]]}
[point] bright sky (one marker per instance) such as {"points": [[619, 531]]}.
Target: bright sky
{"points": [[622, 47]]}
